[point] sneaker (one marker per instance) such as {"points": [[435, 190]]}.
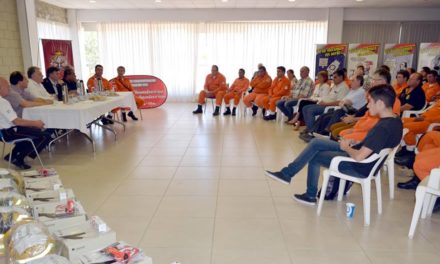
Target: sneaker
{"points": [[278, 176], [304, 199]]}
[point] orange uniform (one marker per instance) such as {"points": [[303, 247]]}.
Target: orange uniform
{"points": [[363, 125], [213, 85], [92, 84], [280, 87], [432, 115], [124, 85], [431, 89], [398, 88], [235, 91], [261, 85], [347, 81], [427, 159]]}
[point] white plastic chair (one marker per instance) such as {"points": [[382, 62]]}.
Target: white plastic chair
{"points": [[389, 166], [17, 141], [365, 183], [408, 113], [426, 196], [209, 98]]}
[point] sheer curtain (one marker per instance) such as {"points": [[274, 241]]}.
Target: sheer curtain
{"points": [[181, 54], [50, 30]]}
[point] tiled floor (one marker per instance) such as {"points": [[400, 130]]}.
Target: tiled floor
{"points": [[192, 189]]}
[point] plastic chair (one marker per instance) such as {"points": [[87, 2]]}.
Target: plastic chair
{"points": [[365, 183], [209, 98], [426, 196], [389, 166], [409, 113], [17, 141]]}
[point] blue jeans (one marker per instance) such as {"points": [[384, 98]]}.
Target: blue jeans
{"points": [[318, 153], [286, 107], [309, 112]]}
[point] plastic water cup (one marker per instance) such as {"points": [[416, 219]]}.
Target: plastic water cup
{"points": [[351, 207]]}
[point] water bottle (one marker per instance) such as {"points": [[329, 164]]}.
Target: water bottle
{"points": [[79, 89], [99, 85], [65, 94]]}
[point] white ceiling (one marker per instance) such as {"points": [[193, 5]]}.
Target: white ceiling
{"points": [[151, 4]]}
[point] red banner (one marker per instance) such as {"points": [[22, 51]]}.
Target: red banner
{"points": [[150, 88], [57, 53]]}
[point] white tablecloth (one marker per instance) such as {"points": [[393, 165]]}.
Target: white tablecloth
{"points": [[77, 115]]}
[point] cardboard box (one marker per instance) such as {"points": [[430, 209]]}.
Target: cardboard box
{"points": [[80, 239], [99, 257], [54, 220], [37, 198], [41, 186]]}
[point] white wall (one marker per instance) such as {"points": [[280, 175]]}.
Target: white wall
{"points": [[392, 14]]}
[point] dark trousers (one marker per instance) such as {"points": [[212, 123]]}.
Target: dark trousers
{"points": [[23, 149]]}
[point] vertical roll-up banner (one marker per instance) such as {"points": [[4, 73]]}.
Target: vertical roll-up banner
{"points": [[330, 57], [366, 55], [398, 57], [150, 88], [429, 55]]}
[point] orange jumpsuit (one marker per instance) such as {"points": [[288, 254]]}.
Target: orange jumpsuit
{"points": [[432, 115], [431, 89], [92, 83], [399, 88], [235, 91], [427, 159], [347, 81], [261, 85], [280, 87], [363, 125], [213, 84], [124, 85]]}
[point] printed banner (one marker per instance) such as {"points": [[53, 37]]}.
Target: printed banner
{"points": [[57, 53], [330, 57], [150, 88], [366, 55], [398, 57], [429, 55]]}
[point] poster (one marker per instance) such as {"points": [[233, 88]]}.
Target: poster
{"points": [[150, 88], [330, 57], [366, 55], [429, 55], [57, 53], [398, 57]]}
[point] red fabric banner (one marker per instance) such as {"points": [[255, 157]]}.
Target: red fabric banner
{"points": [[57, 53]]}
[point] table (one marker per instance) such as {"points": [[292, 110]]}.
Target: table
{"points": [[78, 116]]}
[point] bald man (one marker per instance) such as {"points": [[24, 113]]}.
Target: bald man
{"points": [[260, 86], [214, 83]]}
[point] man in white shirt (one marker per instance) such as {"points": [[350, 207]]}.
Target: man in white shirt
{"points": [[13, 127], [35, 86]]}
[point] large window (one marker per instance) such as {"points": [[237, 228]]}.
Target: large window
{"points": [[181, 54]]}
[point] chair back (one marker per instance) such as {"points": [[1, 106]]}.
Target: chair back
{"points": [[379, 160]]}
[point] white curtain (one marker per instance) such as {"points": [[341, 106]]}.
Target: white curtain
{"points": [[50, 30], [181, 54]]}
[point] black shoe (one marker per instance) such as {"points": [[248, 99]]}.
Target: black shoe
{"points": [[110, 119], [263, 112], [217, 111], [402, 152], [278, 176], [124, 116], [254, 110], [227, 112], [21, 165], [270, 117], [436, 206], [306, 137], [234, 110], [304, 199], [104, 121], [199, 110], [407, 160], [409, 185], [132, 116]]}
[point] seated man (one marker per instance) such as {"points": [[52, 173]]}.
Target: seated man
{"points": [[35, 87], [19, 97], [309, 112], [124, 85], [13, 127], [52, 83], [425, 160], [69, 78], [385, 134], [402, 77], [260, 86], [240, 85], [214, 83], [413, 97], [431, 87], [97, 83], [424, 72], [302, 89], [280, 87]]}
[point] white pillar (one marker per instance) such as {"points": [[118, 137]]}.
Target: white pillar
{"points": [[73, 25], [27, 21], [335, 25]]}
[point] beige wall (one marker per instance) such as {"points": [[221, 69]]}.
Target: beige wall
{"points": [[10, 46]]}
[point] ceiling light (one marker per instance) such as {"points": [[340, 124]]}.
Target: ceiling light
{"points": [[92, 1], [359, 0], [291, 0], [224, 1], [158, 1]]}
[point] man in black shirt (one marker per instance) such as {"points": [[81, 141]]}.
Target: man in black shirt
{"points": [[387, 133], [413, 97]]}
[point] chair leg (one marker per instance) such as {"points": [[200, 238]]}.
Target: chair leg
{"points": [[213, 106], [390, 170], [366, 193], [36, 152], [432, 204], [323, 188], [378, 193], [426, 205], [420, 197], [341, 189], [140, 114]]}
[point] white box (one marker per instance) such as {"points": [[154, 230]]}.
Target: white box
{"points": [[80, 239], [99, 257], [54, 222], [37, 198], [30, 180], [41, 186]]}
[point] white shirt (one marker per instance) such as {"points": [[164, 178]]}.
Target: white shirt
{"points": [[336, 93], [321, 90], [37, 90], [7, 114], [357, 97]]}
